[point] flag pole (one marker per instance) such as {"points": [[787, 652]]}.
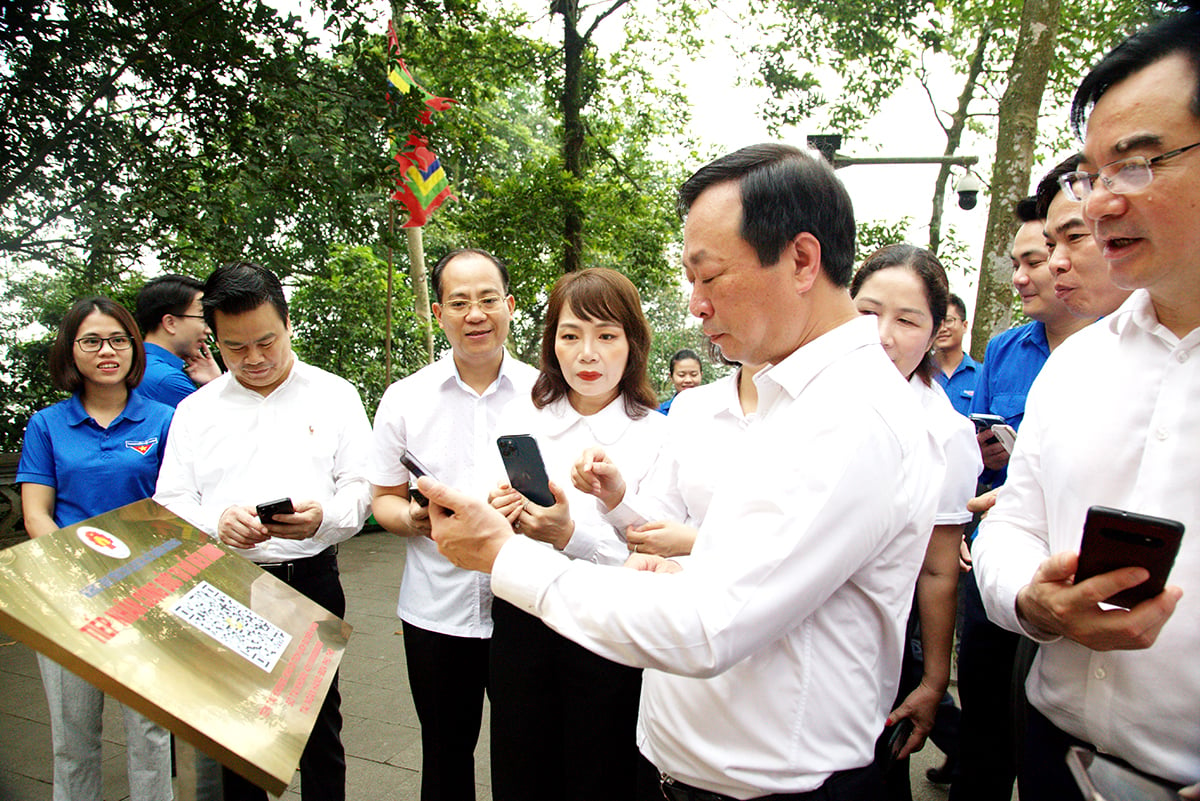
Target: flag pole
{"points": [[420, 284]]}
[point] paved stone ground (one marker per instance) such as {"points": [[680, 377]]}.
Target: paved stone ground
{"points": [[381, 734]]}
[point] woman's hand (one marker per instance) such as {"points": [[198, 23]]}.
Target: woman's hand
{"points": [[661, 538], [595, 474], [552, 524]]}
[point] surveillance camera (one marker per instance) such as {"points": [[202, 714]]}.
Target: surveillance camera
{"points": [[968, 191]]}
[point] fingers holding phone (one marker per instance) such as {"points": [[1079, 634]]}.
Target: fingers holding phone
{"points": [[552, 524], [240, 527], [301, 523]]}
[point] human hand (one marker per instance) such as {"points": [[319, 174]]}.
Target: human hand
{"points": [[995, 457], [1053, 603], [661, 537], [508, 502], [652, 564], [964, 557], [301, 524], [468, 531], [595, 474], [200, 366], [921, 707], [239, 527], [552, 524], [982, 504]]}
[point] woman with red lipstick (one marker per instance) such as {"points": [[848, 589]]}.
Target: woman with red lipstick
{"points": [[93, 452], [563, 719]]}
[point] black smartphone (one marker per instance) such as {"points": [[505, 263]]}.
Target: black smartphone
{"points": [[1102, 779], [525, 468], [1114, 538], [416, 469], [984, 422], [896, 736], [268, 510]]}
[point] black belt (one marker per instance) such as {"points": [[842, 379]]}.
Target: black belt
{"points": [[846, 780], [299, 568]]}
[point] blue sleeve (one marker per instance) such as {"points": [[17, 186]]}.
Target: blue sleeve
{"points": [[169, 389], [37, 454]]}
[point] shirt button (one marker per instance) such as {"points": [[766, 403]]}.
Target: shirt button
{"points": [[1182, 356], [1161, 433], [1101, 673]]}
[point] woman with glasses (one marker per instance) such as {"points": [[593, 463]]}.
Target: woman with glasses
{"points": [[93, 452], [563, 719]]}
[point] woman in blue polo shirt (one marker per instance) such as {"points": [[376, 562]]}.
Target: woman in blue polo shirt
{"points": [[93, 452]]}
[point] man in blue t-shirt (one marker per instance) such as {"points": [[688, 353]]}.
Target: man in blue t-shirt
{"points": [[957, 371], [987, 766], [172, 321]]}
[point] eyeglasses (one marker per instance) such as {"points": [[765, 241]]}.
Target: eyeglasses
{"points": [[1121, 177], [91, 344], [460, 307], [193, 316]]}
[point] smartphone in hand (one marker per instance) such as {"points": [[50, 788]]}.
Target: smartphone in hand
{"points": [[1114, 538], [525, 468], [416, 469], [985, 422], [267, 511]]}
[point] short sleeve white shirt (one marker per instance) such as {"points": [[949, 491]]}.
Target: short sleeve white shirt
{"points": [[451, 430], [963, 461]]}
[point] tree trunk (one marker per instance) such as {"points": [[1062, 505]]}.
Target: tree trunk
{"points": [[958, 122], [1016, 135], [572, 103]]}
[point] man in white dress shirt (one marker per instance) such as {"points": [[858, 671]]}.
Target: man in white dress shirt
{"points": [[273, 427], [1113, 420], [774, 649], [448, 416]]}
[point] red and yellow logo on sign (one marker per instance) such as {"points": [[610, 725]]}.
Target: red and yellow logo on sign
{"points": [[101, 541]]}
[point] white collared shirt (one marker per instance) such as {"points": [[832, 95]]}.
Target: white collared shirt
{"points": [[451, 430], [776, 651], [1113, 420], [308, 439], [563, 434], [705, 432], [963, 461]]}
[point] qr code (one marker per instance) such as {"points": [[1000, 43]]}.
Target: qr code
{"points": [[233, 625]]}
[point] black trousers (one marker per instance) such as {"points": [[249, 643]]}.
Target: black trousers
{"points": [[986, 756], [448, 677], [563, 719], [323, 761]]}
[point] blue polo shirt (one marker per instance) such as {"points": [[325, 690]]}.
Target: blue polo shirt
{"points": [[1013, 359], [960, 387], [93, 469], [164, 381]]}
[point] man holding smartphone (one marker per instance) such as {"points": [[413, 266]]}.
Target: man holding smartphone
{"points": [[447, 416], [774, 648], [273, 429], [1112, 421]]}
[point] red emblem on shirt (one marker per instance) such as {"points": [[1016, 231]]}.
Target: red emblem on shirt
{"points": [[142, 447]]}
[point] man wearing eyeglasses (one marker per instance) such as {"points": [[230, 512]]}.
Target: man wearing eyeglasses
{"points": [[1113, 420], [172, 321], [957, 371], [447, 416]]}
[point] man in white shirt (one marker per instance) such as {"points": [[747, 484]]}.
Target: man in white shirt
{"points": [[448, 416], [273, 427], [1112, 420], [774, 651]]}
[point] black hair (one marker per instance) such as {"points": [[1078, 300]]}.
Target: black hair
{"points": [[681, 355], [785, 191], [1048, 188], [239, 287], [925, 266], [1179, 33], [167, 294], [440, 268], [1026, 210], [64, 373], [957, 303]]}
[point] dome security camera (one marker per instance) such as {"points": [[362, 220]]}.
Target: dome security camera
{"points": [[968, 188]]}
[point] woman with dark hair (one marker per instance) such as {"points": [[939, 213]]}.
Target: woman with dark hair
{"points": [[93, 452], [686, 372], [563, 719], [905, 287]]}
